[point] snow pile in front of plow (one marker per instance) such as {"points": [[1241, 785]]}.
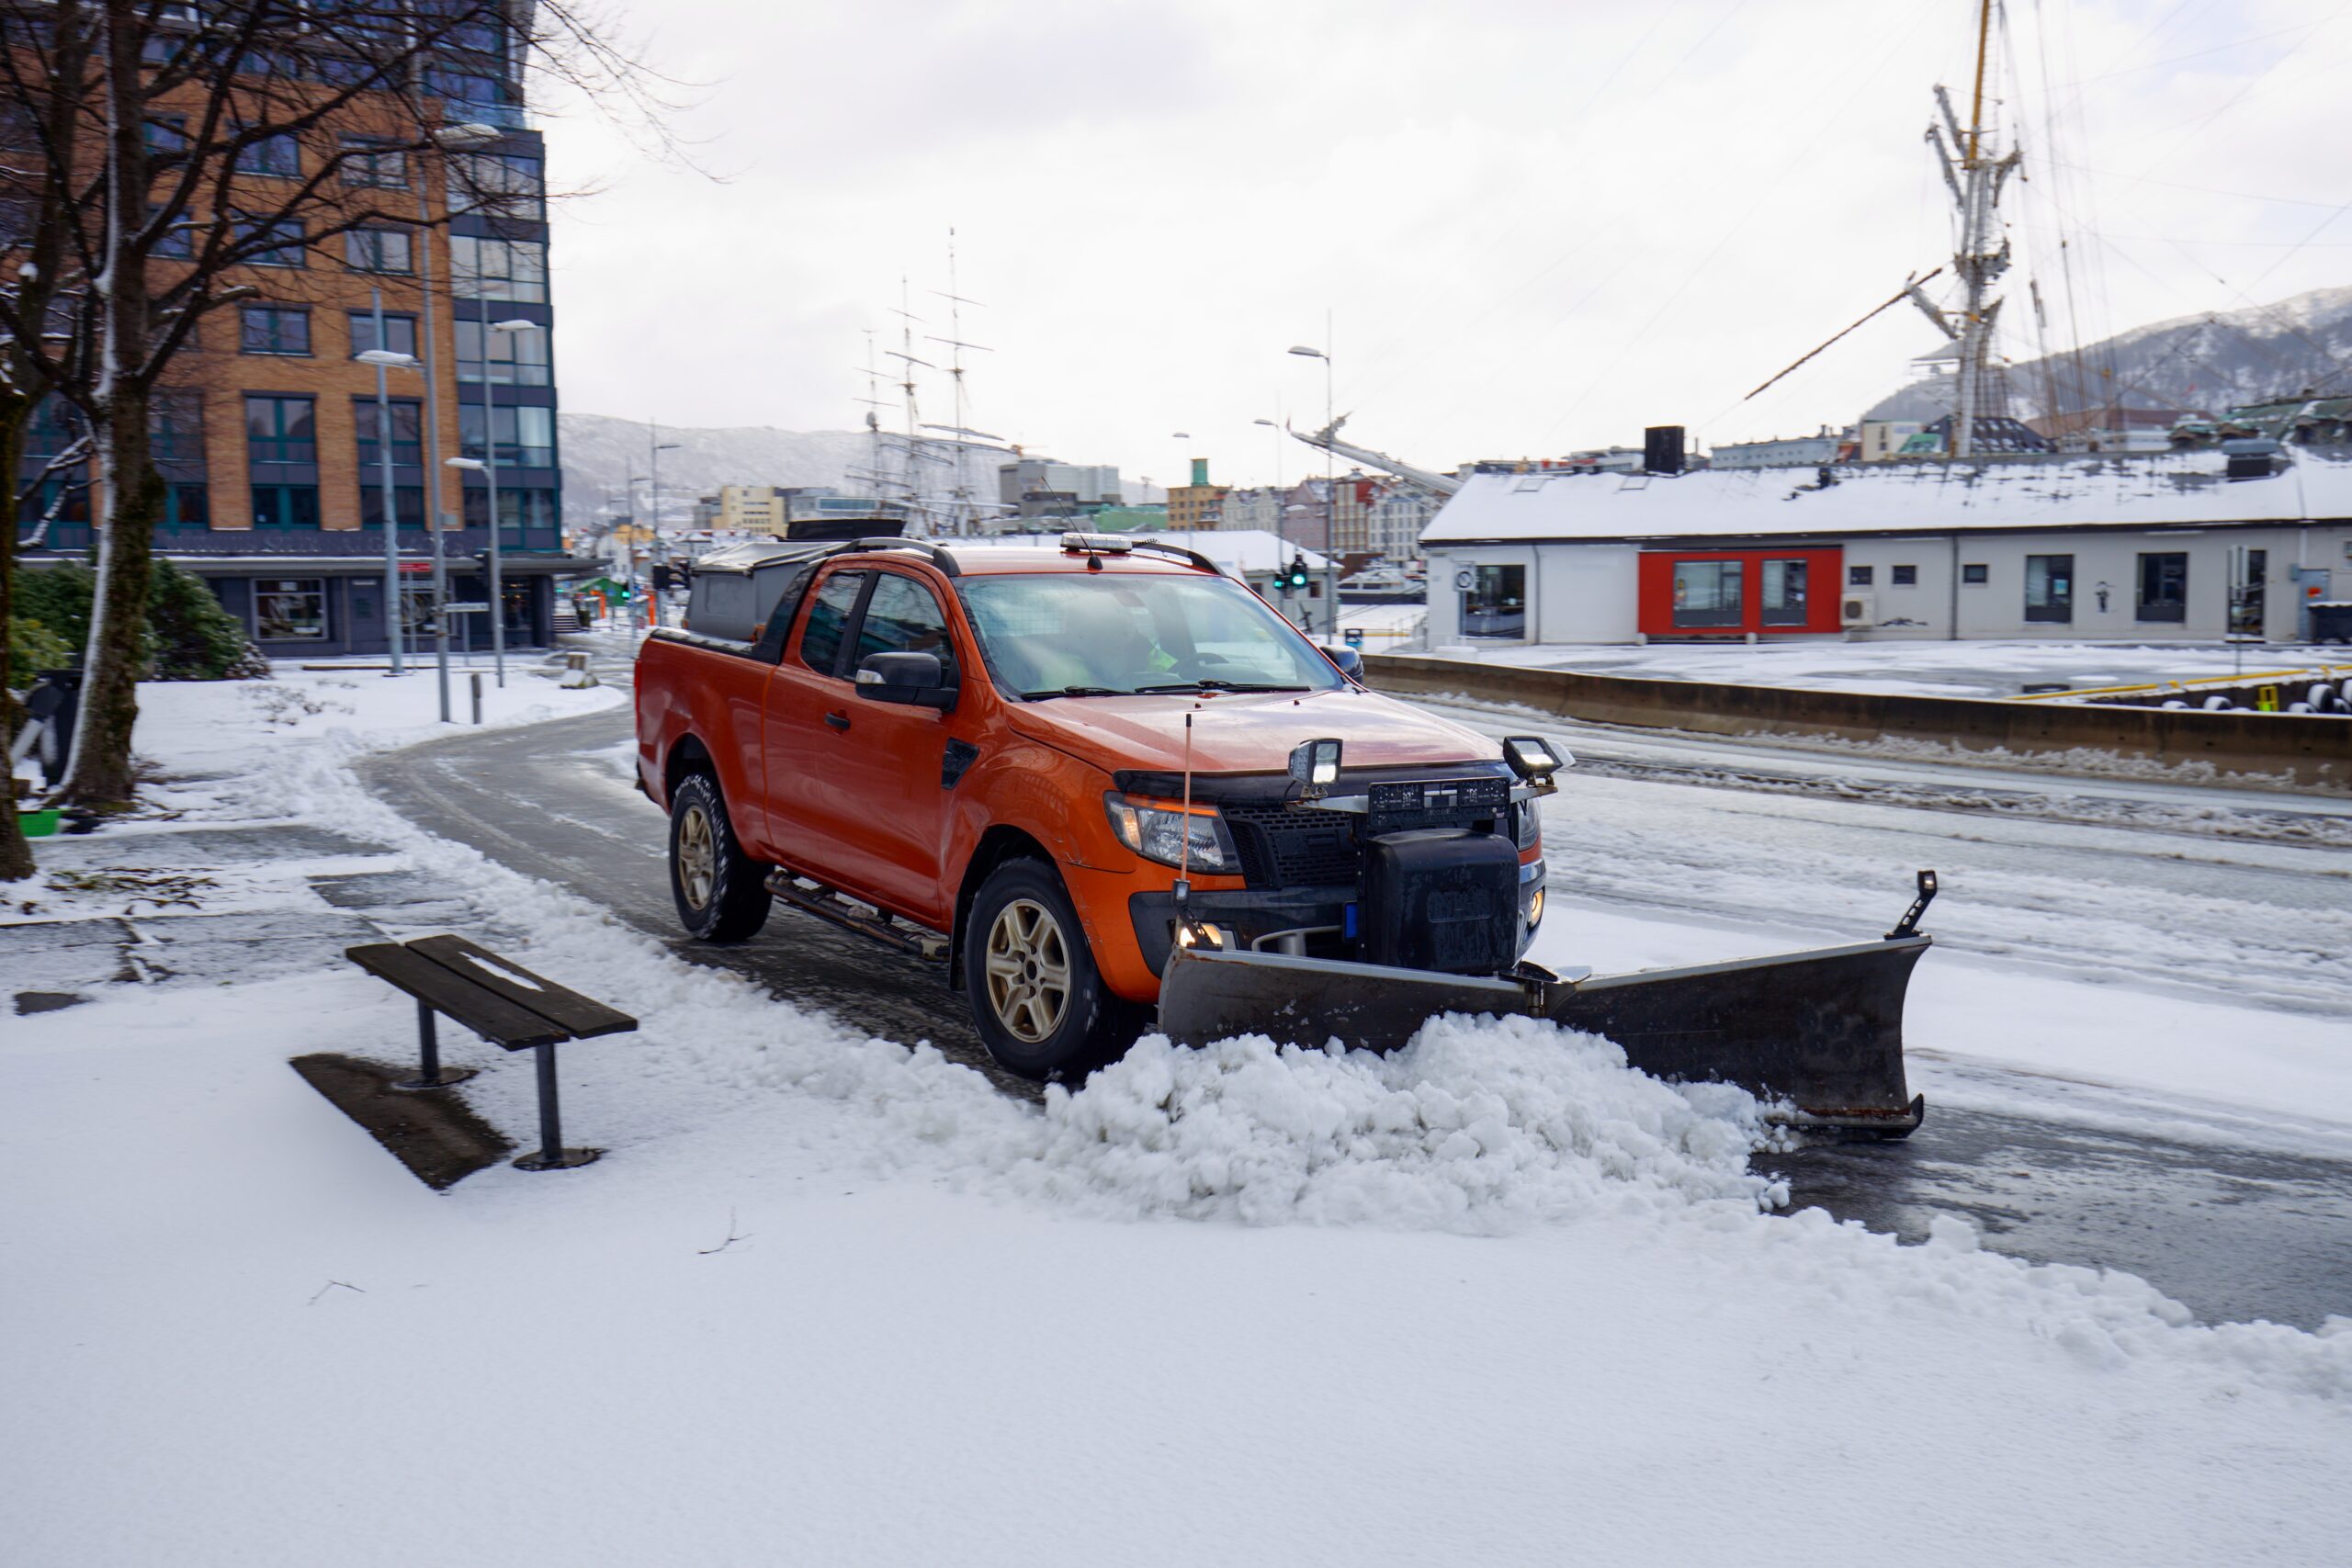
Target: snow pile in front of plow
{"points": [[1481, 1125]]}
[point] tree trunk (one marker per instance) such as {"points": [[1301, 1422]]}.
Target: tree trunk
{"points": [[100, 772], [16, 852]]}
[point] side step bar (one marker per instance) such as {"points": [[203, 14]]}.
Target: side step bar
{"points": [[839, 910]]}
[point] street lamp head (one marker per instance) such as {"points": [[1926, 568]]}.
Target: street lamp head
{"points": [[470, 464], [1269, 423], [1310, 353], [1181, 436], [517, 325], [667, 447], [464, 136], [388, 359]]}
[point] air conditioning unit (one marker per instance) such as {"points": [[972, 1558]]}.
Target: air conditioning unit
{"points": [[1858, 610]]}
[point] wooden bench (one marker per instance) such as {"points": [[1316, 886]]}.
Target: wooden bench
{"points": [[503, 1003]]}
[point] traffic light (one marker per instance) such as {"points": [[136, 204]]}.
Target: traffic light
{"points": [[1295, 580]]}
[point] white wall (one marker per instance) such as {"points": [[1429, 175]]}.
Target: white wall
{"points": [[1588, 593]]}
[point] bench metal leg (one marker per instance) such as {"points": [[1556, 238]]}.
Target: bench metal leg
{"points": [[428, 1049], [551, 1154]]}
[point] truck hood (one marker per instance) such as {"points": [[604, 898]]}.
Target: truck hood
{"points": [[1246, 733]]}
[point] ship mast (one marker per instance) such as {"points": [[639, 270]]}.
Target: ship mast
{"points": [[1974, 178]]}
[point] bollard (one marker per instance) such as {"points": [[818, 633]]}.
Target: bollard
{"points": [[476, 678]]}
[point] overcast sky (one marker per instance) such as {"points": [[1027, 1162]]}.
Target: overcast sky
{"points": [[1538, 224]]}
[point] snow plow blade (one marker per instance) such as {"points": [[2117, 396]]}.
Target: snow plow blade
{"points": [[1821, 1030]]}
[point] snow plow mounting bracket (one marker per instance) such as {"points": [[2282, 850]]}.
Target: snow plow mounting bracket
{"points": [[1910, 924]]}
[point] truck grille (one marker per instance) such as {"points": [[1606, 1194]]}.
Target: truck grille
{"points": [[1294, 846]]}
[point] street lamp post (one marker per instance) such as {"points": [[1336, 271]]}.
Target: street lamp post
{"points": [[1330, 486], [1277, 429], [489, 477], [654, 510], [386, 360]]}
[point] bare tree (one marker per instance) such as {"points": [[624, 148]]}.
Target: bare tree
{"points": [[146, 176]]}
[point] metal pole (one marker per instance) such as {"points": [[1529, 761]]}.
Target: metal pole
{"points": [[653, 511], [474, 678], [435, 518], [391, 512], [489, 475], [1330, 498], [428, 1045], [550, 1120]]}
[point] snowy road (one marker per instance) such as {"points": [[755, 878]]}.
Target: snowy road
{"points": [[2173, 915]]}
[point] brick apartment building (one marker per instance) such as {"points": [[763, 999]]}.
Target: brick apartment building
{"points": [[269, 435]]}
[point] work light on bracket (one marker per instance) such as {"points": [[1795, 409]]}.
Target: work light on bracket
{"points": [[1315, 765], [1534, 760]]}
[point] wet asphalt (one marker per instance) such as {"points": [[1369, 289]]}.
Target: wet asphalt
{"points": [[2233, 1233]]}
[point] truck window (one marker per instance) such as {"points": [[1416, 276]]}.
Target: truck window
{"points": [[829, 612], [903, 617], [1042, 632]]}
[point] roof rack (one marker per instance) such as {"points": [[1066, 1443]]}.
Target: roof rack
{"points": [[1120, 545], [939, 556]]}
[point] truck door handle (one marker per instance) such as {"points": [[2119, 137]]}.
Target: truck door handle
{"points": [[837, 720]]}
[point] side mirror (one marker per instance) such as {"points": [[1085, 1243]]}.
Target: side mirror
{"points": [[1349, 661], [915, 679]]}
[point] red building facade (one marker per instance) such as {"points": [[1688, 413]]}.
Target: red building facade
{"points": [[1703, 593]]}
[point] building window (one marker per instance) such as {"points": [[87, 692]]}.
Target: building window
{"points": [[408, 504], [176, 425], [408, 427], [176, 243], [2163, 586], [263, 242], [2050, 588], [2249, 593], [1495, 604], [187, 507], [1975, 572], [285, 506], [276, 155], [399, 332], [370, 164], [273, 328], [55, 501], [1709, 593], [1858, 577], [522, 513], [290, 609], [280, 430], [378, 250], [498, 270], [165, 133], [516, 359], [1903, 577], [525, 435], [500, 185], [1784, 584]]}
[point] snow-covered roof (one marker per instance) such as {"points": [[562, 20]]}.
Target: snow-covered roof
{"points": [[2151, 490], [1249, 552]]}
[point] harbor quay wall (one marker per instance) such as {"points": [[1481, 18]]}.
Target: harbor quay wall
{"points": [[2254, 750]]}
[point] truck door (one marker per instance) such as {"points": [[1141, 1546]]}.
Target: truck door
{"points": [[888, 765], [803, 724]]}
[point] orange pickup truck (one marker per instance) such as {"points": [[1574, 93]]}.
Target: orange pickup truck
{"points": [[1046, 763]]}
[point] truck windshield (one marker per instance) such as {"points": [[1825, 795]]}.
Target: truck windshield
{"points": [[1070, 634]]}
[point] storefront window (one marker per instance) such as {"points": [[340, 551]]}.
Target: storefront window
{"points": [[1708, 592], [1784, 592], [2163, 586], [1494, 603], [290, 609], [2049, 588]]}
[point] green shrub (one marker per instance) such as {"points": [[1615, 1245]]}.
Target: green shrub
{"points": [[190, 634]]}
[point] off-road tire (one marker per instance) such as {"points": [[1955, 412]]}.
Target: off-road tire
{"points": [[1041, 1030], [722, 893]]}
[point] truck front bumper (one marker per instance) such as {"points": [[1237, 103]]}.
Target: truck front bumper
{"points": [[1245, 917]]}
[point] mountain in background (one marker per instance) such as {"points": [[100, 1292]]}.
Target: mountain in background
{"points": [[2206, 363]]}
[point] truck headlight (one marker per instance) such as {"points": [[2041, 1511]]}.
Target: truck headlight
{"points": [[1527, 824], [1158, 832]]}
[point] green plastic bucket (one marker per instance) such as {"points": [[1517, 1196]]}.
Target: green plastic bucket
{"points": [[38, 824]]}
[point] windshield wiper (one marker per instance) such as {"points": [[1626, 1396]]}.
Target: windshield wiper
{"points": [[1076, 692], [1212, 684]]}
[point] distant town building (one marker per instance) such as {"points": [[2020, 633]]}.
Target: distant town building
{"points": [[772, 510], [1083, 485], [1198, 504], [1791, 452], [1881, 440]]}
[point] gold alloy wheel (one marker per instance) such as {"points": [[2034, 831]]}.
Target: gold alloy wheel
{"points": [[1028, 970], [697, 856]]}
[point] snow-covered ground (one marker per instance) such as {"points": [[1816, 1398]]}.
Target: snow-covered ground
{"points": [[832, 1299], [1924, 669]]}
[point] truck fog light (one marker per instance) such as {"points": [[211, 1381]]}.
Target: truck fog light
{"points": [[1535, 909], [1203, 934]]}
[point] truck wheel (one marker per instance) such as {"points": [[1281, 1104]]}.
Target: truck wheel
{"points": [[1041, 1007], [720, 891]]}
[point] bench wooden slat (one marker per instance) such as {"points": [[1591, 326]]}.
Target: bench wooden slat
{"points": [[583, 1016], [456, 998]]}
